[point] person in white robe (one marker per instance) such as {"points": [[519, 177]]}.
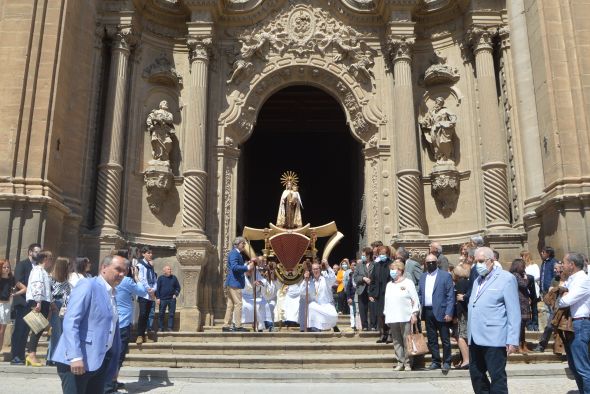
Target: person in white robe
{"points": [[321, 313], [264, 289]]}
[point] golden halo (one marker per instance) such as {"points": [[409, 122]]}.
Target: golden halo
{"points": [[289, 176]]}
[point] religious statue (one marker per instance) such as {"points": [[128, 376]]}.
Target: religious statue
{"points": [[438, 126], [289, 216], [160, 126]]}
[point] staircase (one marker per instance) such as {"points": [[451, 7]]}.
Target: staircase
{"points": [[286, 349]]}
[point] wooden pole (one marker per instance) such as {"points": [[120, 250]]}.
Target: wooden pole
{"points": [[253, 281]]}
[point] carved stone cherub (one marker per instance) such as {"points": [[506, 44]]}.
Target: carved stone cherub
{"points": [[438, 126], [160, 126], [251, 46]]}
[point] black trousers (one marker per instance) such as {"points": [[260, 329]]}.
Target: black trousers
{"points": [[434, 328], [367, 310], [88, 383], [145, 306], [34, 339], [488, 359], [342, 305], [20, 332]]}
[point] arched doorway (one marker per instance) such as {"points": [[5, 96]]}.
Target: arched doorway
{"points": [[303, 129]]}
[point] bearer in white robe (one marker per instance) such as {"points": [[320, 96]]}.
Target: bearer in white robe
{"points": [[262, 309], [321, 313], [287, 308]]}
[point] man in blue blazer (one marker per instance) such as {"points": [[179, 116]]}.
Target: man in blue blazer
{"points": [[493, 325], [235, 282], [437, 297], [88, 351]]}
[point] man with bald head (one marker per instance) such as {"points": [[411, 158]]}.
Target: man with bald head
{"points": [[88, 351], [493, 326], [167, 291], [437, 297], [437, 250]]}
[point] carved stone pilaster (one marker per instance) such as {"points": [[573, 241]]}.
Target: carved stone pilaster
{"points": [[123, 37]]}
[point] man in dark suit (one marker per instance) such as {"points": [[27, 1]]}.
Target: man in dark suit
{"points": [[437, 250], [437, 297], [362, 278], [235, 282], [21, 330]]}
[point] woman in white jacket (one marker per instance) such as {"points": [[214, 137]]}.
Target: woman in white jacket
{"points": [[401, 311]]}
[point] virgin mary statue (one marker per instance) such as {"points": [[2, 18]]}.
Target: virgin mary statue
{"points": [[290, 205]]}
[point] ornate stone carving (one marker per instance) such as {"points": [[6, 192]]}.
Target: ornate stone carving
{"points": [[190, 257], [301, 30], [438, 126], [480, 38], [400, 48], [162, 71], [375, 197], [199, 48], [410, 207], [495, 196], [158, 177], [161, 128], [445, 188], [158, 181], [123, 36], [440, 72]]}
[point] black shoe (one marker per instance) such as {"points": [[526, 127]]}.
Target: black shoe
{"points": [[241, 329], [433, 366], [539, 348], [120, 385], [227, 329], [381, 340], [446, 367], [389, 340], [17, 361], [336, 329]]}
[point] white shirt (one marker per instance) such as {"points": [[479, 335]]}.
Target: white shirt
{"points": [[142, 276], [115, 318], [578, 295], [429, 287], [401, 300]]}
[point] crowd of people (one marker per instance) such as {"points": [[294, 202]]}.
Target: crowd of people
{"points": [[54, 287], [474, 302]]}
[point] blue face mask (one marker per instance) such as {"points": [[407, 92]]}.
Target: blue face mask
{"points": [[344, 267], [393, 274], [482, 269], [382, 257], [364, 258]]}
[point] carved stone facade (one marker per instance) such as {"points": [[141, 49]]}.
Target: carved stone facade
{"points": [[80, 174]]}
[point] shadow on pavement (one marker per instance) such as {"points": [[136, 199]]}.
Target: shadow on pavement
{"points": [[149, 380]]}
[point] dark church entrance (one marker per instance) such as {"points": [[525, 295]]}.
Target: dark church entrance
{"points": [[303, 129]]}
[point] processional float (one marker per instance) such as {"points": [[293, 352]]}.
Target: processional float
{"points": [[288, 243]]}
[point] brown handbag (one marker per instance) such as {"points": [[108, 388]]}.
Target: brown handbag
{"points": [[415, 342]]}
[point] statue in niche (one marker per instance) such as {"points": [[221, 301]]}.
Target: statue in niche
{"points": [[160, 126], [438, 126], [289, 216]]}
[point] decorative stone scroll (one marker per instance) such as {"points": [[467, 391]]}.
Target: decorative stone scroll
{"points": [[440, 72], [302, 30], [162, 71]]}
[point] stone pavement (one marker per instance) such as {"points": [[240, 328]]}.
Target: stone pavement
{"points": [[523, 379]]}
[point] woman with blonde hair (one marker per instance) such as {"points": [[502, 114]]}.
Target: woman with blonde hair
{"points": [[401, 309], [39, 299], [532, 268], [462, 284]]}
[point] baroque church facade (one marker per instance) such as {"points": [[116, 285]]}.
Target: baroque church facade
{"points": [[132, 122]]}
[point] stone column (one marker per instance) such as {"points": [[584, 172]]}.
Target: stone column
{"points": [[527, 109], [410, 194], [195, 177], [193, 249], [493, 140], [108, 193]]}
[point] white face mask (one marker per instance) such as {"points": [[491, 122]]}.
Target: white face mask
{"points": [[482, 269], [344, 267]]}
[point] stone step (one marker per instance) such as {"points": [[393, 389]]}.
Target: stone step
{"points": [[293, 361]]}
